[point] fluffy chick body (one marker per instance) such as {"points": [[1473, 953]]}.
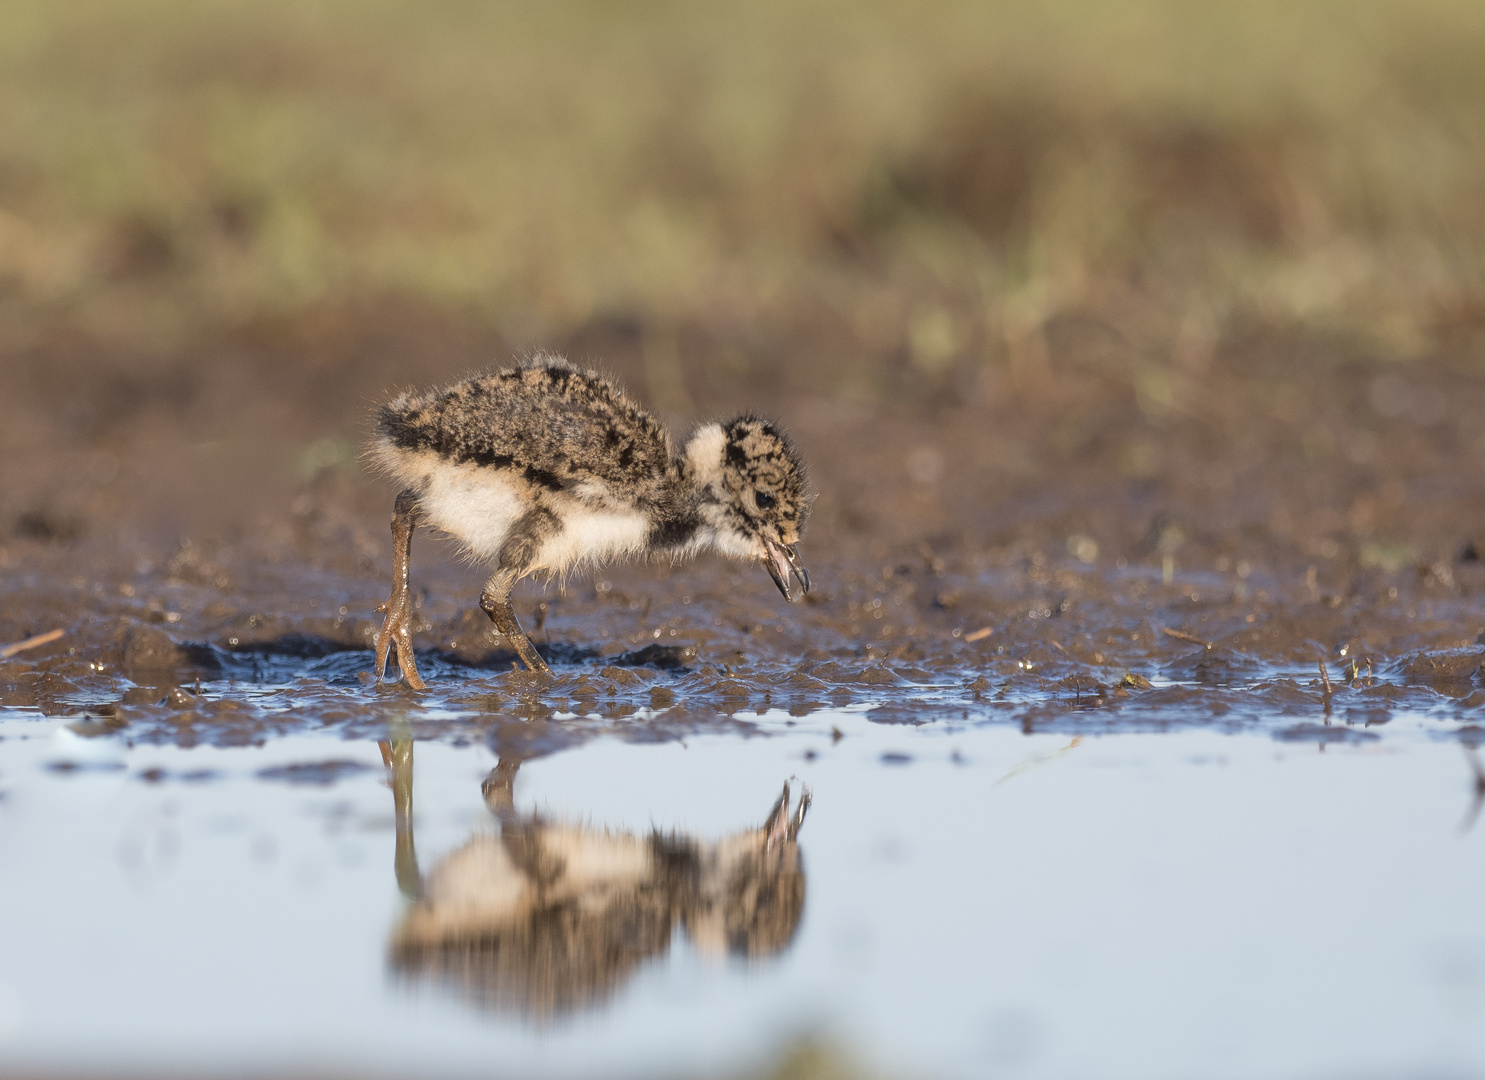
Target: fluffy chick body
{"points": [[544, 467]]}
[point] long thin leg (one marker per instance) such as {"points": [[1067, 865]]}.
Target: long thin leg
{"points": [[397, 627], [517, 554], [495, 602]]}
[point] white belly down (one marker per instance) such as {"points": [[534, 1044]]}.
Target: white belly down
{"points": [[479, 506], [475, 506], [592, 536]]}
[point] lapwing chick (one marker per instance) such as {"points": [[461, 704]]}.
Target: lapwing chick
{"points": [[546, 468]]}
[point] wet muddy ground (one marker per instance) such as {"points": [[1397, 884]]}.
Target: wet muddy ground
{"points": [[1168, 593], [1005, 543]]}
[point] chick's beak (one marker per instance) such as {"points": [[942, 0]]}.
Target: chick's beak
{"points": [[782, 562]]}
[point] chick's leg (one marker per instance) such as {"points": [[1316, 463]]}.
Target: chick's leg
{"points": [[495, 602], [397, 627], [518, 554]]}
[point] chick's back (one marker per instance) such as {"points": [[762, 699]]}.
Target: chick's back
{"points": [[556, 424]]}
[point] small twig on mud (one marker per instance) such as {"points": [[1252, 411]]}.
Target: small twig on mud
{"points": [[30, 643], [979, 635], [1368, 671], [1325, 700], [1179, 636]]}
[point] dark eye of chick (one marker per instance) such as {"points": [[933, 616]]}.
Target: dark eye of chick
{"points": [[763, 499]]}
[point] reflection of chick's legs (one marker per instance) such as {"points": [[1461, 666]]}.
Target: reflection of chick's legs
{"points": [[397, 755], [499, 789]]}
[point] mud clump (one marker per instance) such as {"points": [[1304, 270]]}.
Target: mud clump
{"points": [[150, 651], [1448, 665], [153, 657]]}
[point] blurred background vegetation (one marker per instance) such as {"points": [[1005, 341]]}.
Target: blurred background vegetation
{"points": [[932, 180], [1150, 239]]}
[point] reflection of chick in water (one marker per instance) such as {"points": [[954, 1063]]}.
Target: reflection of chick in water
{"points": [[546, 917]]}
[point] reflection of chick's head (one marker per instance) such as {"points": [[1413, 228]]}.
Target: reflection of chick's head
{"points": [[756, 889]]}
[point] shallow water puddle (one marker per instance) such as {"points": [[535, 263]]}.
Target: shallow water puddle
{"points": [[958, 901]]}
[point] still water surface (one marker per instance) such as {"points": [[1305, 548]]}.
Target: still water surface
{"points": [[959, 901]]}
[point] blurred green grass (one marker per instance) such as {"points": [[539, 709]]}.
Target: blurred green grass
{"points": [[933, 180]]}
